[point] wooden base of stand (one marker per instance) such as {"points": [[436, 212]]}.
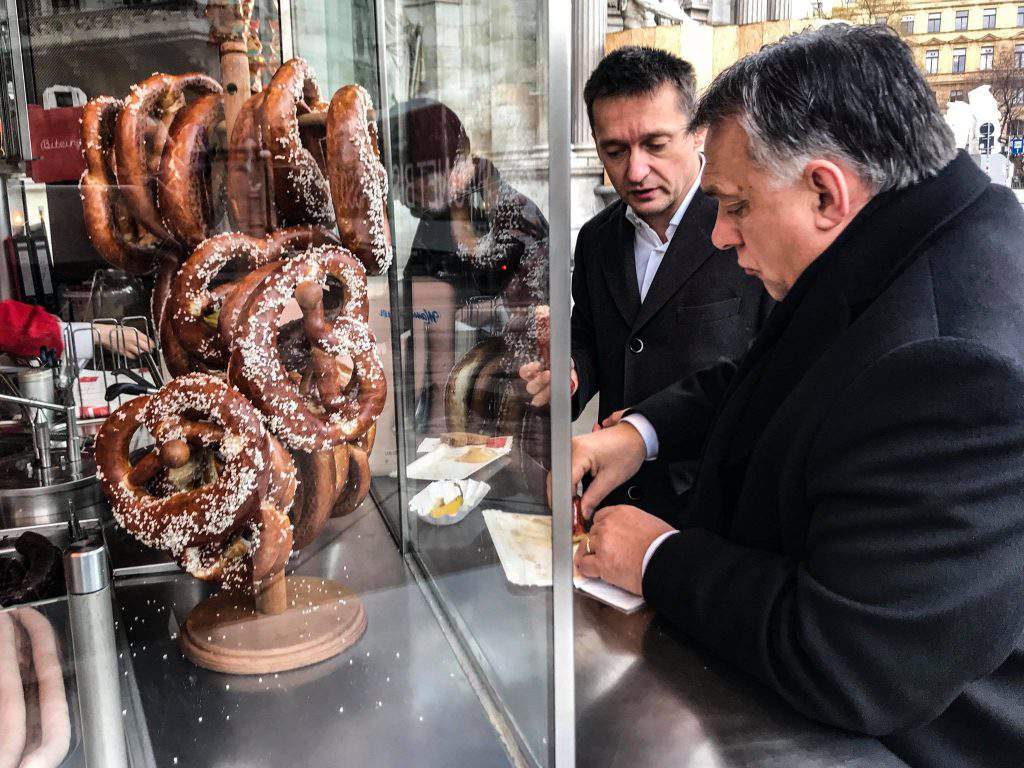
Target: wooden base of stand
{"points": [[321, 620]]}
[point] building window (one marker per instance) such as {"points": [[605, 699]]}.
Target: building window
{"points": [[988, 18], [934, 22], [956, 94], [931, 62], [959, 60], [987, 57], [961, 21], [1018, 55], [1020, 17], [907, 25]]}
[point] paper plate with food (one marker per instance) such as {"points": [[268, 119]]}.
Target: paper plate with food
{"points": [[446, 502]]}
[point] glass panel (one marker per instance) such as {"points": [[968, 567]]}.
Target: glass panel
{"points": [[470, 184], [233, 379]]}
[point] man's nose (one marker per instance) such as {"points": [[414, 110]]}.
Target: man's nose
{"points": [[638, 169], [725, 234]]}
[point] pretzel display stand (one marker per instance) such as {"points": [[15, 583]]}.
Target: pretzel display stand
{"points": [[294, 622], [265, 430]]}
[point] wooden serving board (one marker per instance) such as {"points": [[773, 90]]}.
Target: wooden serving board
{"points": [[225, 633]]}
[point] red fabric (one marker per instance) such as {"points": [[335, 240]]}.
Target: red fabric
{"points": [[25, 328]]}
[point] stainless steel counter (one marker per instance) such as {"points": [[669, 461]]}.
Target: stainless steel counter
{"points": [[645, 696]]}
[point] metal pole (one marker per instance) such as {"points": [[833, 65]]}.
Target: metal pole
{"points": [[92, 632], [563, 685]]}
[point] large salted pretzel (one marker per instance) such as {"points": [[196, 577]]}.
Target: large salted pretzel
{"points": [[190, 188], [301, 191], [142, 130], [111, 228], [250, 199], [359, 182], [338, 388], [204, 287], [214, 486]]}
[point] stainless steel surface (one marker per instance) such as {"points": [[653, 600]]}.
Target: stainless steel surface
{"points": [[32, 402], [29, 497], [99, 690], [37, 384], [74, 440], [562, 749], [398, 697], [86, 569], [644, 695]]}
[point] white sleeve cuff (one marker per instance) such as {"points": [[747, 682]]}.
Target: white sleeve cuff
{"points": [[650, 550], [646, 430], [81, 333]]}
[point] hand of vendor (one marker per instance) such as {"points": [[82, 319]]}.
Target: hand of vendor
{"points": [[610, 456], [122, 339], [615, 547], [538, 381]]}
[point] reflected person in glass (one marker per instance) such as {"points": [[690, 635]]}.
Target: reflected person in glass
{"points": [[476, 270]]}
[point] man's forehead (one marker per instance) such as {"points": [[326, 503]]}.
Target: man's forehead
{"points": [[657, 110]]}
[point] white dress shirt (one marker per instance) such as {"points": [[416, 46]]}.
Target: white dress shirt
{"points": [[648, 253], [648, 250]]}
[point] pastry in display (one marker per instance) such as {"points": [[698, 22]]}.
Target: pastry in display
{"points": [[341, 389], [111, 228], [199, 493], [142, 130], [190, 189], [277, 171], [359, 182], [265, 430]]}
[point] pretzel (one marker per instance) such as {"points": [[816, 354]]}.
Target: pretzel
{"points": [[142, 129], [247, 176], [187, 192], [301, 192], [278, 245], [110, 228], [358, 477], [176, 357], [341, 389], [319, 476], [262, 548], [193, 411], [359, 182]]}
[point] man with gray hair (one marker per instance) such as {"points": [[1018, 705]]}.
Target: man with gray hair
{"points": [[860, 498]]}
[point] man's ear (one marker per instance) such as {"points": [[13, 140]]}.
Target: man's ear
{"points": [[830, 186], [698, 137]]}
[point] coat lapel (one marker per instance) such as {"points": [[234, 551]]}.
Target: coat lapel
{"points": [[619, 265], [690, 248]]}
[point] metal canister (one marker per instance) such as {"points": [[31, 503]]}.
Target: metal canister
{"points": [[37, 384]]}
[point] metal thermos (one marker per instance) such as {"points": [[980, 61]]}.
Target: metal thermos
{"points": [[92, 632]]}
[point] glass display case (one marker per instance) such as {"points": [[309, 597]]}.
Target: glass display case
{"points": [[305, 248]]}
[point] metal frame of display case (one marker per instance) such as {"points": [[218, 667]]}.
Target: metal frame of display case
{"points": [[562, 714]]}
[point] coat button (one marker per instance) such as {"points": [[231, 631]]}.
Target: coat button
{"points": [[636, 345], [633, 493]]}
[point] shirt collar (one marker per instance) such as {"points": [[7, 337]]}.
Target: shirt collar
{"points": [[677, 217]]}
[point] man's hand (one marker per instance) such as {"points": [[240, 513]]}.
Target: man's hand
{"points": [[610, 456], [619, 539], [610, 420], [538, 381], [123, 339]]}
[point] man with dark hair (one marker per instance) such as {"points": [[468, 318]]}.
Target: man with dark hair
{"points": [[861, 485], [653, 298]]}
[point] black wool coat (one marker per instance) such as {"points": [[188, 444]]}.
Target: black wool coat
{"points": [[700, 308], [859, 544]]}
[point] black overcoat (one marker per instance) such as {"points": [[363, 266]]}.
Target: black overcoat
{"points": [[700, 308], [860, 498]]}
